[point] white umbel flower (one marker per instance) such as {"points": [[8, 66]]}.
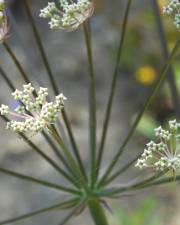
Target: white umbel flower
{"points": [[35, 113], [164, 155], [173, 9], [70, 14]]}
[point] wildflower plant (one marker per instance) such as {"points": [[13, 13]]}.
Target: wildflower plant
{"points": [[37, 113]]}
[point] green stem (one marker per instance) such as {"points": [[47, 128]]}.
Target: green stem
{"points": [[92, 100], [26, 79], [49, 160], [77, 172], [97, 212], [38, 181], [133, 187], [7, 80], [12, 87], [73, 143], [57, 152], [44, 156], [162, 181], [49, 141], [59, 206], [66, 151], [54, 85], [16, 62], [71, 214], [119, 172], [41, 48], [113, 88], [171, 76], [148, 101]]}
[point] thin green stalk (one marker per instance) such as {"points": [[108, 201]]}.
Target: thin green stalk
{"points": [[73, 143], [10, 84], [92, 101], [12, 87], [26, 79], [119, 172], [49, 160], [148, 180], [136, 186], [66, 151], [16, 62], [60, 206], [54, 85], [113, 87], [97, 212], [170, 72], [58, 153], [71, 214], [146, 185], [41, 48], [7, 80], [19, 67], [68, 155], [148, 101], [44, 156], [162, 181], [38, 181]]}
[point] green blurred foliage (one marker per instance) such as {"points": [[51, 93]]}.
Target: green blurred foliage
{"points": [[147, 126], [144, 214]]}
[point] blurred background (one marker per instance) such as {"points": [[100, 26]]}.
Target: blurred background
{"points": [[141, 62]]}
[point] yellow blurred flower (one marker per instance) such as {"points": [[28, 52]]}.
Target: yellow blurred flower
{"points": [[146, 75]]}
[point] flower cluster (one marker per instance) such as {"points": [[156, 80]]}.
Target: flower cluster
{"points": [[69, 16], [164, 155], [34, 113], [3, 21], [173, 9]]}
